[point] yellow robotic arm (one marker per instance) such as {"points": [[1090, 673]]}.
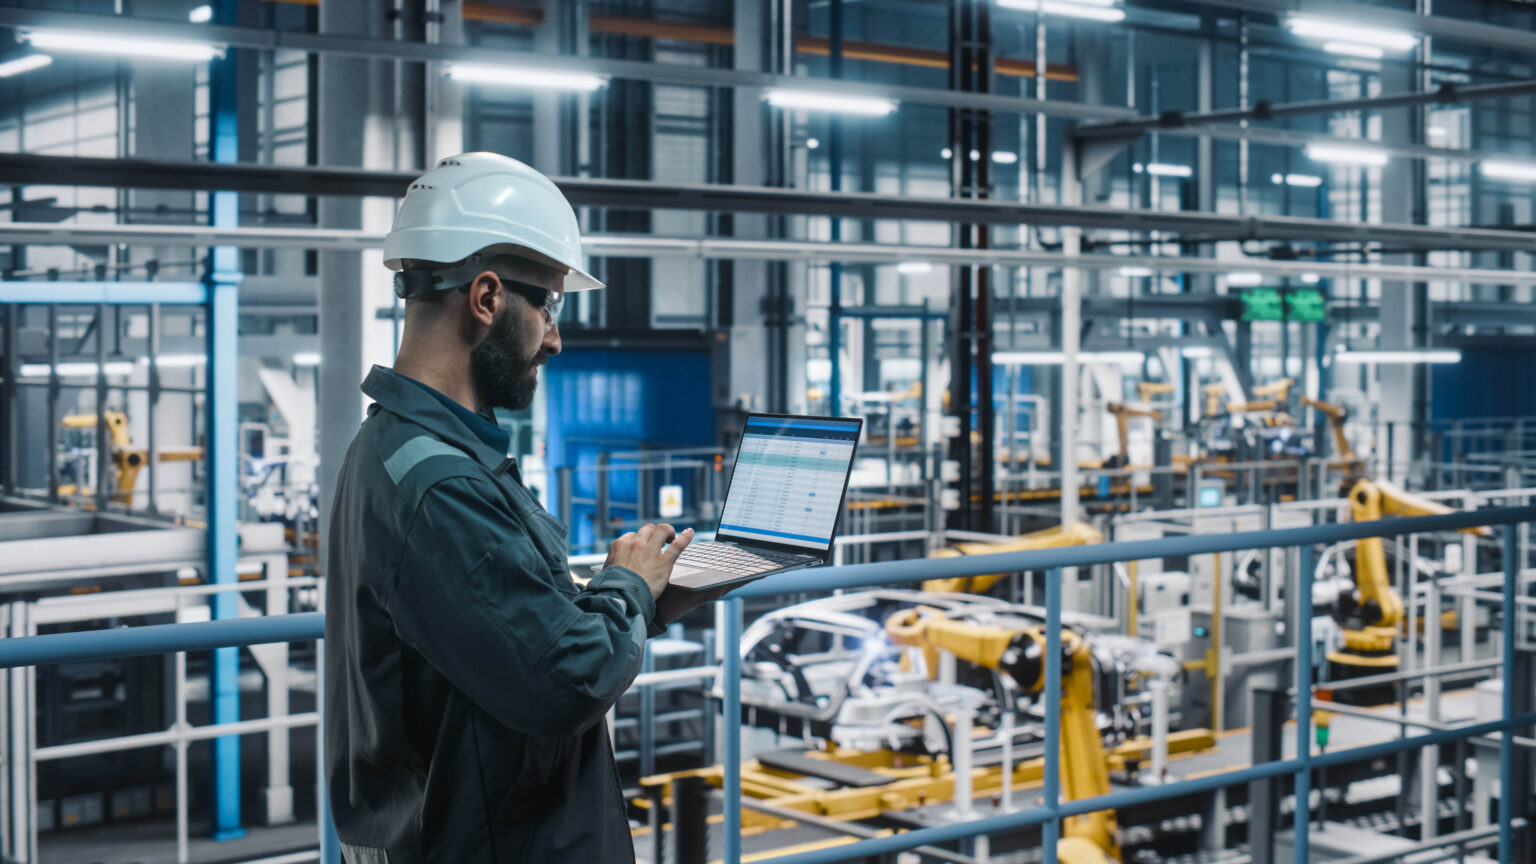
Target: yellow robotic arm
{"points": [[1145, 390], [1090, 838], [1080, 534], [1380, 608], [1123, 413], [1336, 415], [128, 459]]}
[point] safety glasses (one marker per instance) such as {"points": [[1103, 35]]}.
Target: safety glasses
{"points": [[550, 302]]}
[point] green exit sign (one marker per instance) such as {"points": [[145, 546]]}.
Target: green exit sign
{"points": [[1271, 304], [1305, 304], [1262, 304]]}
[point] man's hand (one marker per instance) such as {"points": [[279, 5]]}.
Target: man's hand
{"points": [[642, 552]]}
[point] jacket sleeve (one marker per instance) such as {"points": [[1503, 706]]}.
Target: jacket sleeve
{"points": [[475, 598]]}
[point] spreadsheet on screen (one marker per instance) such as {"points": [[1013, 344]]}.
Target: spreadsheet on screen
{"points": [[789, 478]]}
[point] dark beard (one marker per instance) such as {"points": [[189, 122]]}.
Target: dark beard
{"points": [[505, 373]]}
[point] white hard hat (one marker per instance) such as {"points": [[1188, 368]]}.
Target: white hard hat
{"points": [[487, 202]]}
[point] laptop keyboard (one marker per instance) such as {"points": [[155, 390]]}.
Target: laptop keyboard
{"points": [[733, 559]]}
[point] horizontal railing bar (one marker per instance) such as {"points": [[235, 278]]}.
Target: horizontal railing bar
{"points": [[886, 573], [307, 626], [173, 735], [1136, 797], [1393, 677], [159, 639], [1453, 839]]}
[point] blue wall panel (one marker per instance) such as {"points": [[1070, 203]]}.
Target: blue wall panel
{"points": [[1488, 382], [617, 401]]}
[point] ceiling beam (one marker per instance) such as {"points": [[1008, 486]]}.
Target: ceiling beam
{"points": [[731, 249], [33, 169]]}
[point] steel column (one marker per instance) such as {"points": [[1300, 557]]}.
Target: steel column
{"points": [[730, 673], [1511, 611], [1051, 830], [1303, 631], [222, 435]]}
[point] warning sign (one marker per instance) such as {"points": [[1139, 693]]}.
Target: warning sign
{"points": [[671, 503]]}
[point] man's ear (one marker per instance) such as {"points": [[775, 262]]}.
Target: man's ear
{"points": [[485, 298]]}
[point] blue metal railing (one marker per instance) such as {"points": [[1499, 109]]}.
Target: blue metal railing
{"points": [[37, 650], [1052, 561]]}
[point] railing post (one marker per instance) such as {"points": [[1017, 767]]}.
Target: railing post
{"points": [[1051, 830], [731, 717], [1507, 788], [1302, 832]]}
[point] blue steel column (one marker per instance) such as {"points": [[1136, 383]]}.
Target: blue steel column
{"points": [[1507, 740], [1051, 830], [1304, 704], [835, 176], [731, 719], [222, 439]]}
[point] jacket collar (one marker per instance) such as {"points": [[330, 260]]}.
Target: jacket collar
{"points": [[393, 393]]}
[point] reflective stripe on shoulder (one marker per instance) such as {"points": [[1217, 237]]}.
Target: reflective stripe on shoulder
{"points": [[414, 452]]}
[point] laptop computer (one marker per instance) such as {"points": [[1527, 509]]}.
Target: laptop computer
{"points": [[782, 505]]}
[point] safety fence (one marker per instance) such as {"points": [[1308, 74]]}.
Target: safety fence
{"points": [[1048, 816], [171, 638]]}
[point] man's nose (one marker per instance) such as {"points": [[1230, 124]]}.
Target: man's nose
{"points": [[551, 344]]}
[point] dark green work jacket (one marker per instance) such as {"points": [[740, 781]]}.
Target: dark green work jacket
{"points": [[466, 675]]}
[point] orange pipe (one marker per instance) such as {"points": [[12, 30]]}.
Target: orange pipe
{"points": [[705, 34]]}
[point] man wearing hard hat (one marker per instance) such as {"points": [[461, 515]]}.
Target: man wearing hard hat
{"points": [[466, 674]]}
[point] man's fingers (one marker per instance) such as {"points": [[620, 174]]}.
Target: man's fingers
{"points": [[678, 545], [668, 533]]}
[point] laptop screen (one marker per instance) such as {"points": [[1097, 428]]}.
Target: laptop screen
{"points": [[789, 480]]}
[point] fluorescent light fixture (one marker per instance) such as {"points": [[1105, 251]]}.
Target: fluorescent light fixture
{"points": [[1056, 358], [1310, 278], [74, 370], [1352, 49], [116, 46], [812, 143], [975, 155], [307, 358], [1422, 356], [1137, 167], [1308, 180], [910, 267], [1137, 272], [1346, 154], [836, 103], [1352, 32], [524, 77], [178, 361], [1524, 171], [1164, 169], [1080, 10], [946, 153], [1003, 157], [1092, 10], [1195, 352], [24, 64], [1245, 279], [201, 15]]}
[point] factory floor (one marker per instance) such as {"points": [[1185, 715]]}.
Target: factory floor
{"points": [[153, 841]]}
